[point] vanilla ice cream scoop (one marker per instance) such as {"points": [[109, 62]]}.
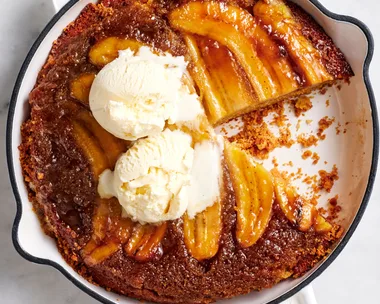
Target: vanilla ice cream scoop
{"points": [[151, 179], [136, 94]]}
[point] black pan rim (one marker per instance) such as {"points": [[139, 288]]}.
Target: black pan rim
{"points": [[288, 294]]}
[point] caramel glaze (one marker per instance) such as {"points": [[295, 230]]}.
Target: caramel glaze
{"points": [[63, 188]]}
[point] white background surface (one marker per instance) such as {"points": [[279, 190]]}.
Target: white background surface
{"points": [[353, 278]]}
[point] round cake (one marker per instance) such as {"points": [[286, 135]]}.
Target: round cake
{"points": [[254, 236]]}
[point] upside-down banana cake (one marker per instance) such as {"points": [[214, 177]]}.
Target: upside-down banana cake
{"points": [[163, 209]]}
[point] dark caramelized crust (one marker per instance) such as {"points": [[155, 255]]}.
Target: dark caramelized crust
{"points": [[62, 185]]}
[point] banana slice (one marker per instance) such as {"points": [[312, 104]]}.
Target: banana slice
{"points": [[102, 253], [210, 94], [152, 246], [202, 234], [145, 241], [219, 75], [90, 146], [278, 65], [278, 16], [100, 220], [81, 86], [97, 250], [301, 213], [322, 225], [111, 145], [254, 190], [108, 49]]}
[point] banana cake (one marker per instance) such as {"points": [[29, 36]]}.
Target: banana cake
{"points": [[241, 57]]}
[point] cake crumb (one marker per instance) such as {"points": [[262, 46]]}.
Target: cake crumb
{"points": [[324, 124], [279, 119], [307, 154], [308, 180], [334, 208], [327, 103], [315, 158], [298, 174], [309, 121], [285, 139], [302, 105], [337, 129], [323, 91], [298, 125], [257, 138], [275, 162], [289, 164], [327, 179], [307, 141], [314, 200], [322, 211]]}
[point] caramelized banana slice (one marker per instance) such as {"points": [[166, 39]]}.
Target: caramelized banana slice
{"points": [[151, 247], [234, 28], [278, 65], [290, 202], [308, 215], [97, 250], [322, 225], [137, 235], [119, 228], [301, 213], [202, 234], [254, 191], [81, 86], [100, 220], [145, 241], [90, 247], [209, 93], [225, 77], [122, 229], [278, 16], [91, 149], [111, 145], [101, 253], [108, 49]]}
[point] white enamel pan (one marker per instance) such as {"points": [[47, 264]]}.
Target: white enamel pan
{"points": [[355, 151]]}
